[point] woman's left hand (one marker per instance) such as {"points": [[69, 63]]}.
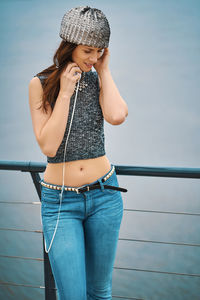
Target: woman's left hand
{"points": [[102, 63]]}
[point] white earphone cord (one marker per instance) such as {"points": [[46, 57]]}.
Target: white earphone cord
{"points": [[61, 194]]}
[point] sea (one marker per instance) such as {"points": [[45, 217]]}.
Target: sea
{"points": [[154, 61]]}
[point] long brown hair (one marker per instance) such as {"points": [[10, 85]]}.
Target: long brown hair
{"points": [[52, 74]]}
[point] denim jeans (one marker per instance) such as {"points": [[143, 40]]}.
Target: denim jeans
{"points": [[84, 248]]}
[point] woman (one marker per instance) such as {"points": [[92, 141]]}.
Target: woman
{"points": [[81, 200]]}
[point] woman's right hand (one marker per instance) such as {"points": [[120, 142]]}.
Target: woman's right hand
{"points": [[68, 79]]}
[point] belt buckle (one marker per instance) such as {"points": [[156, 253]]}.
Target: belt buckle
{"points": [[82, 188], [77, 190]]}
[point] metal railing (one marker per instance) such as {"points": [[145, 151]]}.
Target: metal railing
{"points": [[35, 168]]}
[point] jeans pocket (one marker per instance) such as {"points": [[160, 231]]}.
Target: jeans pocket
{"points": [[50, 195], [109, 191]]}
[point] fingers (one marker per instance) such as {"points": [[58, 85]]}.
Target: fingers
{"points": [[73, 71], [75, 74], [69, 77], [106, 52], [77, 77], [71, 66]]}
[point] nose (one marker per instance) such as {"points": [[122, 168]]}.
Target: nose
{"points": [[94, 58]]}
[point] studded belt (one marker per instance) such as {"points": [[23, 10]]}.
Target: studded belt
{"points": [[86, 188]]}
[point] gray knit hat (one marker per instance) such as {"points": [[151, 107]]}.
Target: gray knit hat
{"points": [[86, 26]]}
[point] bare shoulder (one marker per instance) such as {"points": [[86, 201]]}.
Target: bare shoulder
{"points": [[36, 94], [35, 84], [34, 80], [35, 91]]}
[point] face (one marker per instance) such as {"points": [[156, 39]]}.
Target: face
{"points": [[85, 56]]}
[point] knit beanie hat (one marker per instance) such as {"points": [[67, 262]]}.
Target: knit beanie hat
{"points": [[86, 26]]}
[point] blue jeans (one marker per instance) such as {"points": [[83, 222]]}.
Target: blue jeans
{"points": [[84, 248]]}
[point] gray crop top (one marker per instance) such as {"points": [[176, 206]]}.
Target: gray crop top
{"points": [[86, 138]]}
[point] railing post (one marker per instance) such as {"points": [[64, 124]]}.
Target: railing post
{"points": [[50, 290], [36, 180]]}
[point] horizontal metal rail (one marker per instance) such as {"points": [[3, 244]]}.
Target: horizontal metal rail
{"points": [[162, 212], [158, 171], [21, 284], [120, 239], [22, 257], [24, 166], [119, 268], [20, 202], [159, 242], [125, 209], [128, 298], [39, 167], [21, 230], [43, 287], [157, 271]]}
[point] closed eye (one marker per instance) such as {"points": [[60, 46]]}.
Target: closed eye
{"points": [[87, 52]]}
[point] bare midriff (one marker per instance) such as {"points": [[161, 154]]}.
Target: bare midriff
{"points": [[78, 172]]}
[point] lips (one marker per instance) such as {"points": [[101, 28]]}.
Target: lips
{"points": [[89, 65]]}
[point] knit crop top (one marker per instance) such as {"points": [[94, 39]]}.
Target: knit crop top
{"points": [[86, 138]]}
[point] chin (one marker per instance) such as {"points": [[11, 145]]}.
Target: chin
{"points": [[83, 68]]}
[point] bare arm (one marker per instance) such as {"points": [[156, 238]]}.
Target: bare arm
{"points": [[114, 108], [49, 128]]}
